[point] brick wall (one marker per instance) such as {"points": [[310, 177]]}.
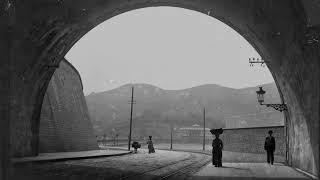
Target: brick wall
{"points": [[64, 121], [252, 139]]}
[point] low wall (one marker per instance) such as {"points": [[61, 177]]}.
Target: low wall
{"points": [[246, 140], [64, 121], [251, 140]]}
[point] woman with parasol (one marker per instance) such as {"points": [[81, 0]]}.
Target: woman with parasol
{"points": [[217, 146]]}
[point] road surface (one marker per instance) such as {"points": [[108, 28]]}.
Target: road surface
{"points": [[160, 165]]}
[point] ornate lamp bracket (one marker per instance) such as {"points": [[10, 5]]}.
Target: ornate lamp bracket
{"points": [[278, 107]]}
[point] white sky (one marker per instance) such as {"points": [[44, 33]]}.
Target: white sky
{"points": [[172, 48]]}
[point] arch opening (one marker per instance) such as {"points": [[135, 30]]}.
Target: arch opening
{"points": [[119, 41], [277, 38]]}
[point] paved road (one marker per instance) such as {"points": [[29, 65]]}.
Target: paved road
{"points": [[162, 164]]}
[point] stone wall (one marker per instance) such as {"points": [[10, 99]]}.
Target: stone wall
{"points": [[64, 121], [251, 140]]}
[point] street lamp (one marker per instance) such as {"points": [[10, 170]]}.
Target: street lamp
{"points": [[278, 107]]}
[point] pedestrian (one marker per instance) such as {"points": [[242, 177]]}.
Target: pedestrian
{"points": [[270, 146], [136, 145], [217, 146], [150, 145]]}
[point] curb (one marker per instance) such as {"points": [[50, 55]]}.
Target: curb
{"points": [[21, 161], [306, 173]]}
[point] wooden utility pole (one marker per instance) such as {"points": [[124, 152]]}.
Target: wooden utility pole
{"points": [[131, 102], [171, 138], [204, 129]]}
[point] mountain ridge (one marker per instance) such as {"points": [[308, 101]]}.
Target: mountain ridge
{"points": [[157, 109], [151, 85]]}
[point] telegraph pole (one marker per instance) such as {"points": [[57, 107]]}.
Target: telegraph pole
{"points": [[171, 138], [204, 128], [131, 102]]}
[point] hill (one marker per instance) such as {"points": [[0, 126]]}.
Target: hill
{"points": [[157, 109]]}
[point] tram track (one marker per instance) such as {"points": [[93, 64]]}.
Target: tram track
{"points": [[186, 171], [173, 169]]}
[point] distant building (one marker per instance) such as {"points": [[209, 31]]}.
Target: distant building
{"points": [[192, 131]]}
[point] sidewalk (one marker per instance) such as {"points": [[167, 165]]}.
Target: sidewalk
{"points": [[61, 156], [253, 171], [227, 156]]}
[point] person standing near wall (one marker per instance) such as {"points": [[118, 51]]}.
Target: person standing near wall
{"points": [[217, 146], [270, 146]]}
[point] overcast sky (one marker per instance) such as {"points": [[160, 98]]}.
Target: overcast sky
{"points": [[172, 48]]}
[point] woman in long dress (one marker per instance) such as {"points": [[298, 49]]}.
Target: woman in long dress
{"points": [[217, 146], [150, 145]]}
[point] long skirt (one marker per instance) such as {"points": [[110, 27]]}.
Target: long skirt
{"points": [[217, 158], [151, 149]]}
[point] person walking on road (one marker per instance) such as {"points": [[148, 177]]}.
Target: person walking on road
{"points": [[270, 146], [150, 145], [217, 146]]}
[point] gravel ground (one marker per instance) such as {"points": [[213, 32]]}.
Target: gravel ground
{"points": [[134, 166]]}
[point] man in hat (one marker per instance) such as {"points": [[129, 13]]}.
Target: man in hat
{"points": [[270, 146], [217, 146], [150, 145]]}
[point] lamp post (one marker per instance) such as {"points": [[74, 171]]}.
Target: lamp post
{"points": [[278, 107]]}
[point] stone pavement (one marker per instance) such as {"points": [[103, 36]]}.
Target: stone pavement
{"points": [[247, 171], [59, 156]]}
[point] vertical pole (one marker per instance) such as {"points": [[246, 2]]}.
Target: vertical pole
{"points": [[129, 142], [286, 122], [171, 140], [204, 128], [118, 140]]}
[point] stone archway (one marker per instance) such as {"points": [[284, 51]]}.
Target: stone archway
{"points": [[37, 35]]}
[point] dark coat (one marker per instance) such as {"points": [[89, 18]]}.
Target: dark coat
{"points": [[270, 144], [150, 146], [217, 145]]}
